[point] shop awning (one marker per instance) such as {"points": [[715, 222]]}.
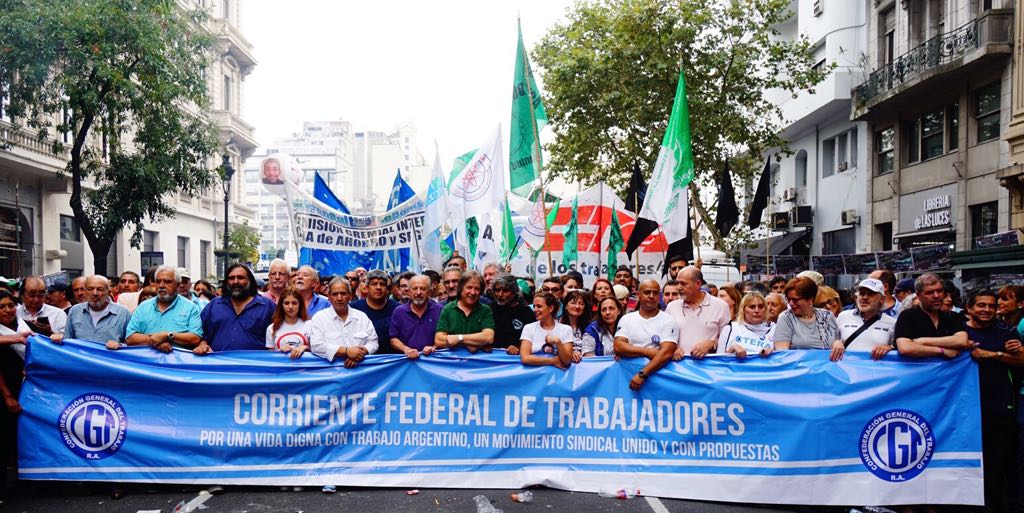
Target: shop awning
{"points": [[776, 245], [922, 233], [1005, 256]]}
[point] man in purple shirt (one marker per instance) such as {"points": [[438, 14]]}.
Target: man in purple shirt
{"points": [[413, 324], [238, 318]]}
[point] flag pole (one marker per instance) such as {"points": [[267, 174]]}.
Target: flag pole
{"points": [[600, 226], [536, 158], [768, 240], [693, 234], [636, 254]]}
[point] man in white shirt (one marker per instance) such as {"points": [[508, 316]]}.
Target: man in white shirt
{"points": [[699, 316], [40, 317], [340, 330], [879, 336], [647, 332]]}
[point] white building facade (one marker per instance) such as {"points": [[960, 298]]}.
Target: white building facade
{"points": [[38, 234]]}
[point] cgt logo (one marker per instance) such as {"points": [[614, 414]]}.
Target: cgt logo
{"points": [[897, 445], [93, 426]]}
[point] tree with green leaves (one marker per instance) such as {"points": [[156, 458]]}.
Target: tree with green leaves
{"points": [[610, 73], [126, 80], [244, 242]]}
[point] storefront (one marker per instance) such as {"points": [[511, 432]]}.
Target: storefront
{"points": [[928, 218]]}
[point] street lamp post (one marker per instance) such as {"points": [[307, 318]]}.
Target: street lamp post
{"points": [[229, 171]]}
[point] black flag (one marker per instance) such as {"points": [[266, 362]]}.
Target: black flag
{"points": [[761, 196], [682, 247], [636, 192], [728, 212]]}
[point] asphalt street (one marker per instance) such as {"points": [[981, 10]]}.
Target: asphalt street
{"points": [[69, 497]]}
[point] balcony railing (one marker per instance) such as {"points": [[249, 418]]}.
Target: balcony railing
{"points": [[938, 50]]}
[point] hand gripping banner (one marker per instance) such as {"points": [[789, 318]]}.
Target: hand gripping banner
{"points": [[794, 428]]}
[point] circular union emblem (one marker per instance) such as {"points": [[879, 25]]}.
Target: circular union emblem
{"points": [[656, 340], [93, 426], [517, 324], [475, 180], [897, 445]]}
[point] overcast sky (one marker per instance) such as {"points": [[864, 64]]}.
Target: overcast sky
{"points": [[446, 66]]}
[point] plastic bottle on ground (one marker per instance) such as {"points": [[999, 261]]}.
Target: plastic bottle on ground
{"points": [[483, 505], [626, 492], [524, 496]]}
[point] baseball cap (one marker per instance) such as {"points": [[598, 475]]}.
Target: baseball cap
{"points": [[814, 276], [58, 286], [621, 292], [904, 285], [872, 284], [183, 273]]}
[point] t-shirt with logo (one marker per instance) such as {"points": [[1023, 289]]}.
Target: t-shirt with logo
{"points": [[538, 335], [650, 332], [289, 336], [753, 338]]}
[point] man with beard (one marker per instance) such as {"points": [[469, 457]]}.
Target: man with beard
{"points": [[168, 319], [998, 353], [277, 277], [306, 281], [413, 324], [97, 319], [238, 318], [378, 306], [510, 314], [400, 289], [40, 317], [865, 327]]}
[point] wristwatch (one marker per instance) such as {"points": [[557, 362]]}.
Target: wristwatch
{"points": [[170, 337], [999, 354], [461, 338], [642, 374]]}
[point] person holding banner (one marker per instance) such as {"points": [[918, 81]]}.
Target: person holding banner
{"points": [[647, 332], [866, 327], [546, 333], [466, 321], [599, 337], [413, 324], [699, 316], [237, 319], [928, 330], [98, 319], [751, 332], [576, 315], [340, 330], [166, 320], [805, 327], [378, 306], [289, 329]]}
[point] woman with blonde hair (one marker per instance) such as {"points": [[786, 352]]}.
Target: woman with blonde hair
{"points": [[751, 331], [828, 299]]}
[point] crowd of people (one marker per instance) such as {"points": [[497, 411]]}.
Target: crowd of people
{"points": [[558, 322]]}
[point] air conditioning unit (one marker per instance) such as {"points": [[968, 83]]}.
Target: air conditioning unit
{"points": [[843, 166], [789, 194], [850, 217], [817, 7], [803, 216]]}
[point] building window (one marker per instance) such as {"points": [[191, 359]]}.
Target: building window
{"points": [[984, 220], [885, 144], [839, 242], [149, 238], [204, 257], [227, 9], [883, 236], [986, 112], [227, 92], [801, 169], [853, 148], [828, 158], [912, 134], [887, 37], [925, 136], [182, 251], [69, 229], [931, 134], [954, 126]]}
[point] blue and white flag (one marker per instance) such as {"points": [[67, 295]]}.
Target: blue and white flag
{"points": [[793, 428], [435, 216], [396, 260]]}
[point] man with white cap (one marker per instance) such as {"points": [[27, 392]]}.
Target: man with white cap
{"points": [[185, 286], [865, 327]]}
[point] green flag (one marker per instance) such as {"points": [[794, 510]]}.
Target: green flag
{"points": [[553, 213], [508, 236], [569, 252], [472, 233], [615, 243], [668, 202], [528, 117]]}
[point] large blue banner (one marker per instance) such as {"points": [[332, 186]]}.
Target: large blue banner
{"points": [[793, 428]]}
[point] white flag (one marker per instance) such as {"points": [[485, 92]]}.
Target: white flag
{"points": [[480, 188], [435, 216], [533, 231]]}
